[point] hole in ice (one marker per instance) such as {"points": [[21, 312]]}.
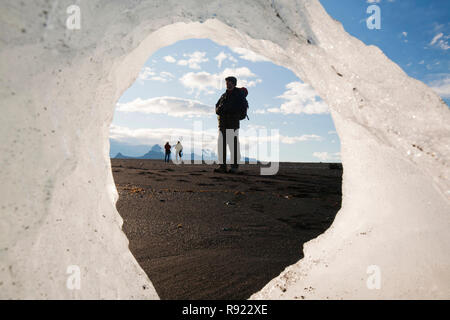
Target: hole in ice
{"points": [[204, 235]]}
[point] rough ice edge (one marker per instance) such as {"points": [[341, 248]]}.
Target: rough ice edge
{"points": [[116, 53]]}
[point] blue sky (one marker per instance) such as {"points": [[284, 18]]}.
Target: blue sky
{"points": [[179, 85], [414, 34]]}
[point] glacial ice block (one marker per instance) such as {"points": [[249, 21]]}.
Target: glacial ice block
{"points": [[60, 233]]}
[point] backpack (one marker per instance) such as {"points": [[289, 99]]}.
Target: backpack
{"points": [[243, 109]]}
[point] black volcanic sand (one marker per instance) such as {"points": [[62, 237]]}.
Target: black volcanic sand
{"points": [[204, 235]]}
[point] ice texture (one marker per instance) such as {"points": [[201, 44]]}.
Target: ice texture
{"points": [[58, 91]]}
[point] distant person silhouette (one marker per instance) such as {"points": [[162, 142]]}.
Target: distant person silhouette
{"points": [[167, 147], [178, 150]]}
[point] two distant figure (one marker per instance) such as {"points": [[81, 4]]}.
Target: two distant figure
{"points": [[178, 149]]}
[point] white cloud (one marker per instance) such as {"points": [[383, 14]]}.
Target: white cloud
{"points": [[302, 138], [193, 60], [164, 76], [148, 74], [255, 137], [160, 135], [246, 54], [232, 59], [210, 83], [444, 44], [440, 41], [242, 72], [255, 126], [167, 74], [404, 35], [170, 59], [325, 156], [201, 82], [172, 106], [220, 58], [260, 111], [300, 98], [248, 83], [442, 86], [158, 78], [436, 38]]}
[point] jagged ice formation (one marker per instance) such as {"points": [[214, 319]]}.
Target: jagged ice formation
{"points": [[58, 91]]}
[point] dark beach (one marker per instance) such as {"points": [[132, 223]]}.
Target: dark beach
{"points": [[204, 235]]}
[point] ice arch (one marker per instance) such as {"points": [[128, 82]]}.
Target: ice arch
{"points": [[58, 90]]}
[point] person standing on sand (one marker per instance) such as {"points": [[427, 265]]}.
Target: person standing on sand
{"points": [[167, 147], [227, 110], [178, 150]]}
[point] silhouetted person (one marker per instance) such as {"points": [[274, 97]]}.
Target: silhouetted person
{"points": [[228, 109], [167, 147]]}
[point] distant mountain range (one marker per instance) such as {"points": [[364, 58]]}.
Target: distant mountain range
{"points": [[156, 152], [120, 150], [130, 150]]}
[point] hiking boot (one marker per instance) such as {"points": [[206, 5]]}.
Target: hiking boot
{"points": [[234, 170], [221, 169]]}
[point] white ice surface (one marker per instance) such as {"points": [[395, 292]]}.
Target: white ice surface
{"points": [[58, 89]]}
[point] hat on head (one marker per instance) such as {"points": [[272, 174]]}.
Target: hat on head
{"points": [[232, 79]]}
